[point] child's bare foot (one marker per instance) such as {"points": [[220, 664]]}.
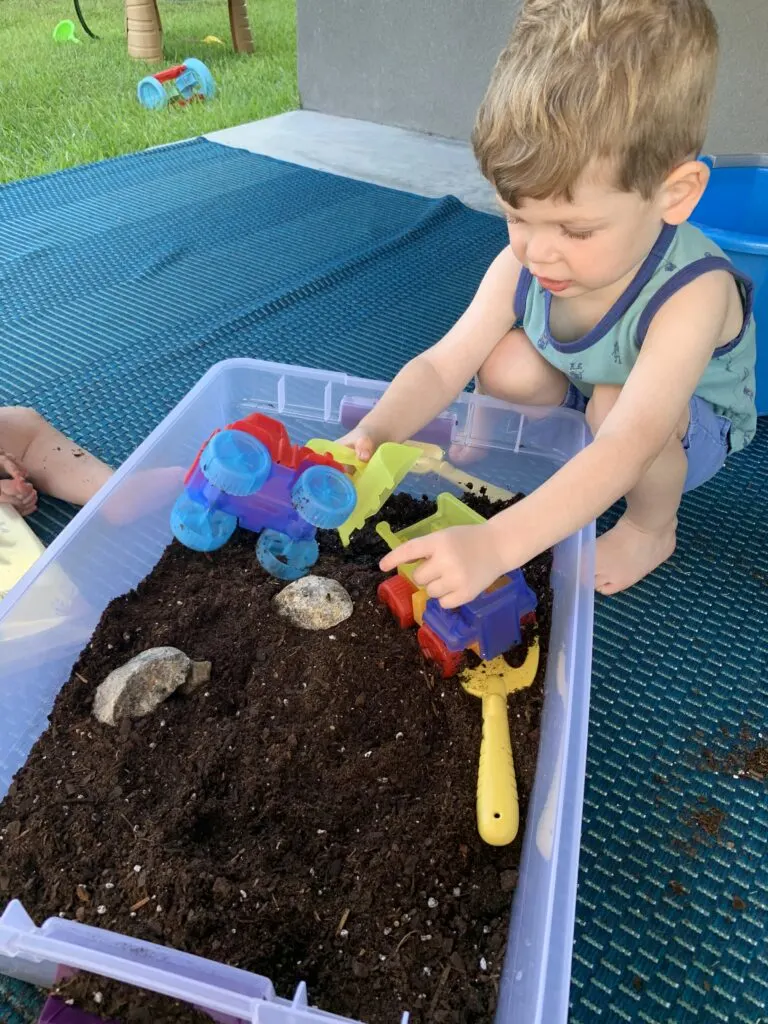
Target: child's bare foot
{"points": [[465, 454], [19, 494], [626, 554]]}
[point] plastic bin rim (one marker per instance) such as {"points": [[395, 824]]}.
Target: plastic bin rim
{"points": [[59, 542]]}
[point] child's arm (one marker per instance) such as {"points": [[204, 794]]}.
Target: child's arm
{"points": [[47, 461], [461, 562], [431, 381]]}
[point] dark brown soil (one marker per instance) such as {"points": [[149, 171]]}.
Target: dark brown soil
{"points": [[113, 1001], [308, 815]]}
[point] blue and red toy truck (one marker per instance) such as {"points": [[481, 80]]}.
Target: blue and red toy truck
{"points": [[489, 625], [250, 474]]}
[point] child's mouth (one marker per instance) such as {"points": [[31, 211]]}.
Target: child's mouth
{"points": [[553, 286]]}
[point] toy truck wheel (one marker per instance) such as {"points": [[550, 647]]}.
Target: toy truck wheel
{"points": [[236, 463], [324, 497], [199, 528], [433, 648], [151, 93], [205, 81], [285, 558], [397, 594]]}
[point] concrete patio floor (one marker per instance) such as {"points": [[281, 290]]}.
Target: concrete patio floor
{"points": [[395, 157]]}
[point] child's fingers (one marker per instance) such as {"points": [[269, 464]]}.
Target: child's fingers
{"points": [[364, 449], [19, 495], [439, 588], [12, 467], [27, 508], [427, 572], [411, 551]]}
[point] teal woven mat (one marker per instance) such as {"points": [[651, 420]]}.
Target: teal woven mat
{"points": [[19, 1003], [120, 284]]}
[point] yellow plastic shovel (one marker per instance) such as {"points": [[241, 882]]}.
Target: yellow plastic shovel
{"points": [[433, 460], [498, 812]]}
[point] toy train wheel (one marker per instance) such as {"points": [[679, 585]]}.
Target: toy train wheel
{"points": [[151, 93], [205, 82], [285, 558], [433, 648], [324, 497], [199, 528], [236, 463], [397, 594]]}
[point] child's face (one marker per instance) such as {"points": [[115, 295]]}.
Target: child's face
{"points": [[583, 246]]}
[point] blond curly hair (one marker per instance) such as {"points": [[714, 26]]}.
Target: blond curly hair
{"points": [[624, 81]]}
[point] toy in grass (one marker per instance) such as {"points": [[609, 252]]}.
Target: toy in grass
{"points": [[64, 32], [189, 82], [250, 474]]}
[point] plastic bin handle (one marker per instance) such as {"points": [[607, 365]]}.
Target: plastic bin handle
{"points": [[439, 431]]}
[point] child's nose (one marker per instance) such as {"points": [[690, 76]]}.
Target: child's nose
{"points": [[540, 250]]}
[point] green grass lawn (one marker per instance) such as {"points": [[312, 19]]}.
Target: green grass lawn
{"points": [[63, 104]]}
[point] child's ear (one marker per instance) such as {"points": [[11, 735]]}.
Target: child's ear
{"points": [[682, 190]]}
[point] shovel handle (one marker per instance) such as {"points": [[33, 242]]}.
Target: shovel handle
{"points": [[498, 814]]}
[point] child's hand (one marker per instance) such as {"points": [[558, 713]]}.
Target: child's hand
{"points": [[457, 563], [361, 442], [10, 467], [16, 491]]}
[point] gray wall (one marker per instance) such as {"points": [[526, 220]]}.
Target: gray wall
{"points": [[424, 64]]}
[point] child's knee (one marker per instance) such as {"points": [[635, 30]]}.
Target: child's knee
{"points": [[603, 399], [515, 372]]}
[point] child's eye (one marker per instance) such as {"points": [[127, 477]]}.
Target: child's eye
{"points": [[513, 220], [582, 235]]}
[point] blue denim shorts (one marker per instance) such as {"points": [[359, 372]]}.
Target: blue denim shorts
{"points": [[706, 442]]}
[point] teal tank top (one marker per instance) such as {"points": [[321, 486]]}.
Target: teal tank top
{"points": [[607, 353]]}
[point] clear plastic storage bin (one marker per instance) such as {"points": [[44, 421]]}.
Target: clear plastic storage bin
{"points": [[114, 543]]}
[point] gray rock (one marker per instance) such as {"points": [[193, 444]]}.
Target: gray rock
{"points": [[314, 602], [142, 684]]}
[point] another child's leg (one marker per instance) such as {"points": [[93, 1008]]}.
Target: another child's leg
{"points": [[514, 372], [54, 464], [644, 537]]}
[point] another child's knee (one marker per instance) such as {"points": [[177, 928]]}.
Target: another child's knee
{"points": [[19, 425]]}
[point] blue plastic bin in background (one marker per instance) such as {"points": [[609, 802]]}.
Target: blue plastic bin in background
{"points": [[734, 213]]}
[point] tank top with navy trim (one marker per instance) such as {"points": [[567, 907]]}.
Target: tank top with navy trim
{"points": [[607, 353]]}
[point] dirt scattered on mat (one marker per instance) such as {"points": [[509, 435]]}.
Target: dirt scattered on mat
{"points": [[747, 758], [307, 815], [705, 822]]}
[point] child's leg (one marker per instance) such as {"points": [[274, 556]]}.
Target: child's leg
{"points": [[514, 372], [644, 537], [54, 464]]}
